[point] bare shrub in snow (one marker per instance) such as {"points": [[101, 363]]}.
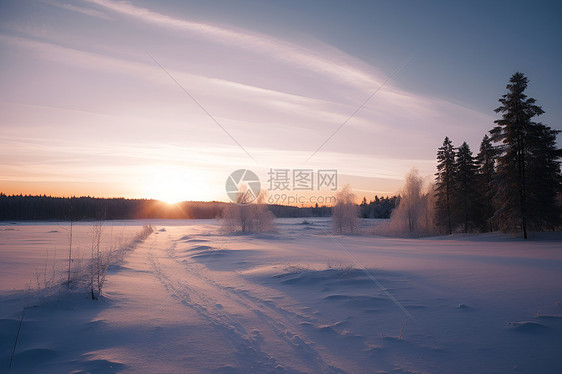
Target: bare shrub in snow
{"points": [[101, 260], [118, 250], [46, 280], [345, 214], [98, 266], [296, 268], [89, 274], [342, 269]]}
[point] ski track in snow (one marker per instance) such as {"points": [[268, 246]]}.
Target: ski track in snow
{"points": [[190, 283]]}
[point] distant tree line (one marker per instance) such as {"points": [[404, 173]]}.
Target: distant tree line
{"points": [[30, 207], [290, 211], [513, 183], [379, 207]]}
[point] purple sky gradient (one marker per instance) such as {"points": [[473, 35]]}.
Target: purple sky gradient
{"points": [[84, 110]]}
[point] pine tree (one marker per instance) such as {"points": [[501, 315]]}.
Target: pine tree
{"points": [[485, 161], [444, 185], [524, 145], [464, 209], [544, 180]]}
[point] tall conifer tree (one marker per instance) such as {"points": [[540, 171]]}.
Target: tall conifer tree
{"points": [[528, 170], [485, 161], [464, 201], [444, 185]]}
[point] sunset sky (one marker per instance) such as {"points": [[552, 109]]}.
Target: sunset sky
{"points": [[91, 103]]}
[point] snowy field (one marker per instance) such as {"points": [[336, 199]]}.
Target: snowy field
{"points": [[190, 298]]}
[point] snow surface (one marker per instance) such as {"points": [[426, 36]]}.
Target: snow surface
{"points": [[192, 299]]}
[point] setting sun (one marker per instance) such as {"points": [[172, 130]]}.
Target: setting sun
{"points": [[169, 184]]}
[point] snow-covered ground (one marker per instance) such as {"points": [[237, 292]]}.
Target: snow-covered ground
{"points": [[192, 299]]}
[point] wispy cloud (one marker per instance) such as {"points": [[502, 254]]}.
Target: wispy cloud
{"points": [[246, 106], [79, 9], [277, 49], [258, 97]]}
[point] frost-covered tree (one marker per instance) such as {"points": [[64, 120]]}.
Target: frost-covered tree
{"points": [[414, 213], [345, 214], [528, 168], [248, 217], [444, 185], [464, 196]]}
